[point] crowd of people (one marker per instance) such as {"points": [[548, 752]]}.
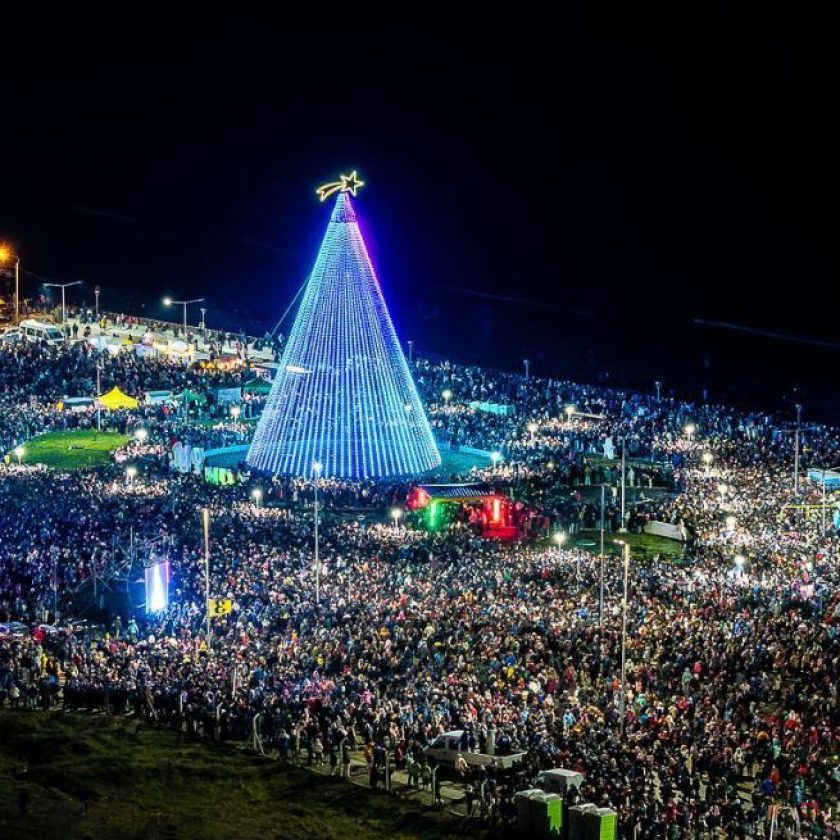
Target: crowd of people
{"points": [[725, 714]]}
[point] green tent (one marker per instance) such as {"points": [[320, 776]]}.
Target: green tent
{"points": [[257, 385], [190, 397]]}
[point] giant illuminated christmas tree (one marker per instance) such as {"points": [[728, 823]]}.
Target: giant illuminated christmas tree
{"points": [[343, 403]]}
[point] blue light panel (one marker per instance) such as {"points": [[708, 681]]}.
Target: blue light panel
{"points": [[343, 395]]}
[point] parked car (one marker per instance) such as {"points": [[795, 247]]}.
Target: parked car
{"points": [[13, 630]]}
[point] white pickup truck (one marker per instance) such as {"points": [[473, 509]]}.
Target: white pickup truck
{"points": [[446, 748]]}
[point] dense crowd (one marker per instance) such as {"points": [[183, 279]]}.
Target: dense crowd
{"points": [[732, 657]]}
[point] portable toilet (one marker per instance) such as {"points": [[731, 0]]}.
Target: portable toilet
{"points": [[554, 814], [539, 814], [601, 824], [577, 822], [523, 811]]}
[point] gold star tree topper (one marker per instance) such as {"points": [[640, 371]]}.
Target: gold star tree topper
{"points": [[348, 184]]}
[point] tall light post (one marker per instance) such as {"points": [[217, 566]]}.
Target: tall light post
{"points": [[689, 430], [316, 471], [623, 528], [447, 395], [141, 436], [130, 473], [96, 291], [658, 386], [98, 396], [495, 457], [205, 516], [532, 428], [527, 364], [796, 450], [256, 495], [601, 599], [7, 255], [203, 311], [625, 549], [64, 287], [570, 412], [168, 301], [411, 352], [396, 515], [707, 461], [20, 451]]}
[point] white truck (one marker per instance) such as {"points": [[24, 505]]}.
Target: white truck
{"points": [[446, 748]]}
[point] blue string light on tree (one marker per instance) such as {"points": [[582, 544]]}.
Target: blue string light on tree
{"points": [[343, 396]]}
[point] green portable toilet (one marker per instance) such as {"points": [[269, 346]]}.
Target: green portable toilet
{"points": [[523, 812], [554, 813], [577, 822], [539, 814], [601, 824]]}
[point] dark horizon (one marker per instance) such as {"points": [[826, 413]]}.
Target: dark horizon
{"points": [[580, 199]]}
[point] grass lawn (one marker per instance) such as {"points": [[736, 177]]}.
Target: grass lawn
{"points": [[140, 782], [76, 450], [457, 462], [642, 545]]}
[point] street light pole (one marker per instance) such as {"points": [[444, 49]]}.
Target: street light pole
{"points": [[98, 397], [527, 363], [625, 548], [410, 352], [17, 290], [63, 287], [601, 601], [316, 468], [168, 301], [796, 450], [96, 295], [623, 527], [205, 513]]}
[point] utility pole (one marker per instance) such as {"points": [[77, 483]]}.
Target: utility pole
{"points": [[98, 396], [316, 469], [622, 700], [623, 528], [796, 450], [205, 513], [601, 601]]}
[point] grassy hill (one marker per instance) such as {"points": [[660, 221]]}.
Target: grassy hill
{"points": [[146, 782]]}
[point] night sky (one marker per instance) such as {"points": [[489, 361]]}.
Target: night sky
{"points": [[578, 195]]}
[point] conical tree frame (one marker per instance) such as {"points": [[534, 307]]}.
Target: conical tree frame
{"points": [[343, 397]]}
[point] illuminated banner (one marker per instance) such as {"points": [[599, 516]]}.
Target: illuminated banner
{"points": [[157, 587], [219, 606]]}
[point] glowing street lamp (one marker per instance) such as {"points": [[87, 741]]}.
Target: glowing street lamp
{"points": [[731, 522], [168, 301], [6, 256], [723, 489], [141, 436], [20, 451], [570, 410], [235, 411], [550, 466], [707, 460], [532, 428], [689, 430], [447, 395], [559, 538], [495, 457], [130, 473], [256, 495], [396, 515], [740, 560]]}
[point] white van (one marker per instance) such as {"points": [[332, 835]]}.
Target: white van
{"points": [[36, 331]]}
